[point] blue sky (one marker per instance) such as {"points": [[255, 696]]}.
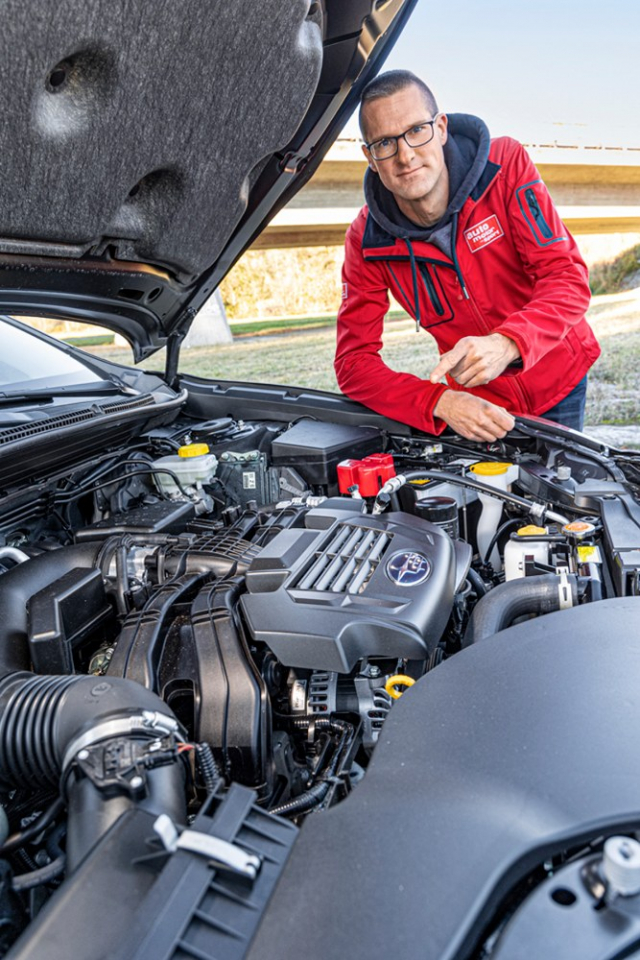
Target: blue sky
{"points": [[563, 68]]}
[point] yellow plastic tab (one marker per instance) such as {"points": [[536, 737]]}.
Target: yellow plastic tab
{"points": [[419, 482], [490, 468], [193, 450], [400, 680], [531, 531]]}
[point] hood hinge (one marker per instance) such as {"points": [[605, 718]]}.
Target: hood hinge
{"points": [[173, 356]]}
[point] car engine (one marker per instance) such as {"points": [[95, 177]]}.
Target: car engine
{"points": [[253, 598]]}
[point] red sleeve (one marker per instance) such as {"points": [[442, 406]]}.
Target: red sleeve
{"points": [[550, 256], [360, 370]]}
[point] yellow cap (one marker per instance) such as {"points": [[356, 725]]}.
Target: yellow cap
{"points": [[398, 680], [193, 450], [531, 531], [490, 468]]}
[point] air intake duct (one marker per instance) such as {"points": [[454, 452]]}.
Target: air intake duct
{"points": [[109, 745]]}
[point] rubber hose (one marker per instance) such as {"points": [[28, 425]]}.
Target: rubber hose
{"points": [[476, 582], [527, 595], [42, 717], [27, 881]]}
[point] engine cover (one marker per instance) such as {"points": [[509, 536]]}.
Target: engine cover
{"points": [[349, 586]]}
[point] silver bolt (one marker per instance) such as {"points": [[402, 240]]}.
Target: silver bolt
{"points": [[136, 782], [374, 671], [83, 755]]}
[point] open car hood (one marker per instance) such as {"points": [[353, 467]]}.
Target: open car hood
{"points": [[145, 146]]}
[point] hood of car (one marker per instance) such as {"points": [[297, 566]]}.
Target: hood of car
{"points": [[144, 146]]}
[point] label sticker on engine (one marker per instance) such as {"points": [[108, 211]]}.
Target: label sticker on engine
{"points": [[589, 554], [249, 480], [482, 234], [299, 696]]}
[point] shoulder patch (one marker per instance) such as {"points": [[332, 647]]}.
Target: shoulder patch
{"points": [[481, 234]]}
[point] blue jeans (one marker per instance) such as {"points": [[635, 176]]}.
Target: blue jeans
{"points": [[570, 411]]}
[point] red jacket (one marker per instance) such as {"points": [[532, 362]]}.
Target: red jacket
{"points": [[524, 278]]}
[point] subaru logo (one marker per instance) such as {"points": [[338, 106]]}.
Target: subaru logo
{"points": [[408, 569]]}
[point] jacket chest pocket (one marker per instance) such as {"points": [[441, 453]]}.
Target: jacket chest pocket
{"points": [[432, 293], [440, 306]]}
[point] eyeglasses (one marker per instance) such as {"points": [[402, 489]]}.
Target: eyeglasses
{"points": [[416, 136]]}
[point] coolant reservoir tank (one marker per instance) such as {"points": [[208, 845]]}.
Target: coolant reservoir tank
{"points": [[499, 475], [192, 464], [524, 544]]}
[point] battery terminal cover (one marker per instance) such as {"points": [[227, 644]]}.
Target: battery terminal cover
{"points": [[368, 474]]}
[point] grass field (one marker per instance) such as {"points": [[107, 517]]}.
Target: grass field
{"points": [[304, 358]]}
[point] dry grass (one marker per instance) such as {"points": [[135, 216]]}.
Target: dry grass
{"points": [[306, 358]]}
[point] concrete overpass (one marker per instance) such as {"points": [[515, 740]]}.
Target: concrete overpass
{"points": [[596, 189]]}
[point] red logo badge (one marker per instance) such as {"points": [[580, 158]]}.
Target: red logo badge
{"points": [[483, 233]]}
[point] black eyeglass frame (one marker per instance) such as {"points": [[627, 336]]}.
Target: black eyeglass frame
{"points": [[403, 136]]}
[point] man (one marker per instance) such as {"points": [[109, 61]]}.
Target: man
{"points": [[463, 232]]}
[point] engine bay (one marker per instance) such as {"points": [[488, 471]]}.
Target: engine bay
{"points": [[277, 587]]}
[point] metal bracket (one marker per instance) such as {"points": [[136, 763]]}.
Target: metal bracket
{"points": [[564, 589]]}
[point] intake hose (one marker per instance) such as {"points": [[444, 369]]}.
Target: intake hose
{"points": [[526, 595], [47, 723]]}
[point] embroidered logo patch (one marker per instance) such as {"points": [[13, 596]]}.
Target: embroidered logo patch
{"points": [[483, 233], [345, 291]]}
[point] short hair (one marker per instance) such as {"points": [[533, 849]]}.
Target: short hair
{"points": [[389, 83]]}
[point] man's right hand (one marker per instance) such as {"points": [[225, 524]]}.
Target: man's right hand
{"points": [[472, 417]]}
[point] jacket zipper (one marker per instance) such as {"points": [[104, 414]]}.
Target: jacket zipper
{"points": [[431, 289], [537, 214], [517, 387]]}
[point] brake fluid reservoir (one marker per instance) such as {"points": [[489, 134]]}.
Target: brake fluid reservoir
{"points": [[500, 476], [191, 465], [522, 545]]}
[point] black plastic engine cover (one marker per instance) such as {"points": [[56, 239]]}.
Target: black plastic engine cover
{"points": [[350, 586], [517, 748]]}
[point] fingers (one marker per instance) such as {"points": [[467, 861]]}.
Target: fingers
{"points": [[475, 361], [448, 361], [491, 429], [472, 417]]}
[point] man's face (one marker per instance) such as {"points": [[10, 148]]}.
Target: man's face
{"points": [[414, 172]]}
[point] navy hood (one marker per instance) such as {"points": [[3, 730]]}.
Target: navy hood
{"points": [[466, 154]]}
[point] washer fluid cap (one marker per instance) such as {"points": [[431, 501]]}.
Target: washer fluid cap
{"points": [[193, 450], [489, 468], [621, 865], [531, 531]]}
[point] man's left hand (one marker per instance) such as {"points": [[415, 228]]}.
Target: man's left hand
{"points": [[476, 360]]}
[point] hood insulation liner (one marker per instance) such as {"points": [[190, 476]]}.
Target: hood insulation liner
{"points": [[103, 108]]}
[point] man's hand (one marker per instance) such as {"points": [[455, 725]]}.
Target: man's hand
{"points": [[476, 360], [472, 417]]}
